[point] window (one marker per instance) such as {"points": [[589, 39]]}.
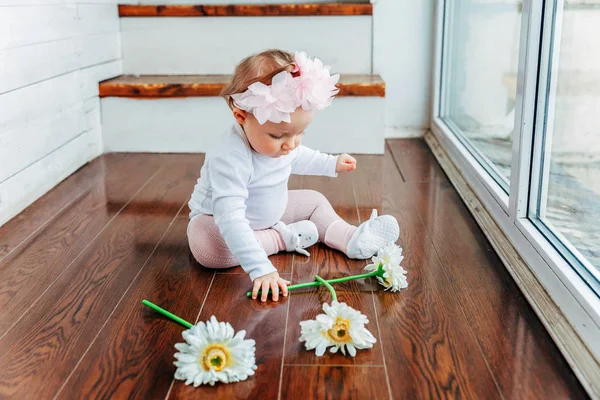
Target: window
{"points": [[480, 80], [566, 207], [517, 109]]}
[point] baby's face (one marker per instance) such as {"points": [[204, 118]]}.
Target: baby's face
{"points": [[275, 140]]}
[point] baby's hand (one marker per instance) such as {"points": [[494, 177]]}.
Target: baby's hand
{"points": [[270, 281], [345, 163]]}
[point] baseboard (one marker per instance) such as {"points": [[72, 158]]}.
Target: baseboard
{"points": [[576, 353], [395, 132]]}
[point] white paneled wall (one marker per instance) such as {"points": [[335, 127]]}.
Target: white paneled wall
{"points": [[53, 53]]}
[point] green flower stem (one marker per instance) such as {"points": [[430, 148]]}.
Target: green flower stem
{"points": [[328, 286], [167, 314], [378, 272]]}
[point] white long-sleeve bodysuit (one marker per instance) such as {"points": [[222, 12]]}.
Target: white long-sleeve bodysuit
{"points": [[246, 191]]}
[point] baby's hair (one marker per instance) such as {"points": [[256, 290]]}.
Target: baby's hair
{"points": [[261, 67]]}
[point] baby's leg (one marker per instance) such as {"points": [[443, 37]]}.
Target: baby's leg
{"points": [[356, 242], [209, 247], [313, 206]]}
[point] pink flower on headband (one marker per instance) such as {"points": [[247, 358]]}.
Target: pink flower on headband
{"points": [[272, 103], [309, 86], [316, 87]]}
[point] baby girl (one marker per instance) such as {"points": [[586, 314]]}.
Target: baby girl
{"points": [[241, 209]]}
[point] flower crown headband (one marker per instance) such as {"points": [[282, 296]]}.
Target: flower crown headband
{"points": [[309, 86]]}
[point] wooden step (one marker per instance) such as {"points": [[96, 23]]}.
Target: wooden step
{"points": [[245, 10], [169, 113], [165, 86]]}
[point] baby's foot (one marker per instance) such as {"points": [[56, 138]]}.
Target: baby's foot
{"points": [[298, 236], [372, 235]]}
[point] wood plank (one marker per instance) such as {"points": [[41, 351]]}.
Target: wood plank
{"points": [[44, 100], [22, 64], [430, 348], [337, 190], [226, 2], [55, 22], [39, 101], [415, 161], [263, 322], [27, 272], [166, 86], [31, 142], [42, 349], [283, 261], [133, 356], [518, 350], [116, 199], [322, 382], [367, 182], [244, 10]]}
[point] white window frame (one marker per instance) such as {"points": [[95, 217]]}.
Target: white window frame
{"points": [[491, 185], [579, 304]]}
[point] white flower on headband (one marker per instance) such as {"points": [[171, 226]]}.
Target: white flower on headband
{"points": [[312, 89]]}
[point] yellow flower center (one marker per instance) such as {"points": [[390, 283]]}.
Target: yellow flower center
{"points": [[215, 356], [387, 281], [340, 332]]}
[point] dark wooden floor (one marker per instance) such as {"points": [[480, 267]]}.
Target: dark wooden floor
{"points": [[75, 265]]}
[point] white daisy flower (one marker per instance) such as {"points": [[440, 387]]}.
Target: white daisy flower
{"points": [[212, 353], [394, 276], [341, 327]]}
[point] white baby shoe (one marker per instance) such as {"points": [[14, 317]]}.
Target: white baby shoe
{"points": [[372, 235], [298, 236]]}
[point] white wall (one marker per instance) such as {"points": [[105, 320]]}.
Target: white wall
{"points": [[53, 53], [403, 56]]}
